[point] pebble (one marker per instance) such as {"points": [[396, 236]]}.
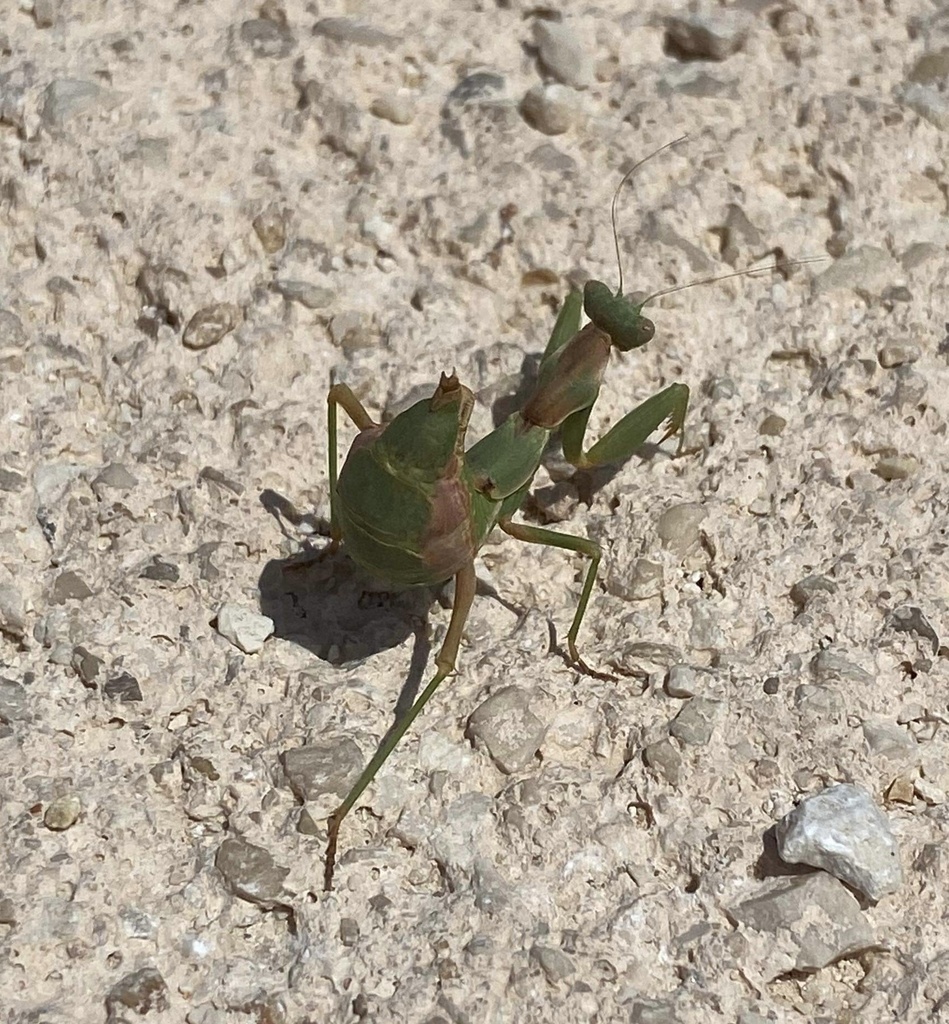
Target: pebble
{"points": [[62, 813], [397, 108], [13, 610], [803, 925], [250, 872], [507, 728], [116, 476], [551, 109], [141, 991], [696, 722], [245, 629], [69, 586], [328, 767], [868, 268], [346, 30], [895, 467], [66, 98], [842, 831], [898, 355], [123, 687], [268, 38], [704, 38], [211, 325], [270, 226], [678, 527], [313, 296], [563, 50]]}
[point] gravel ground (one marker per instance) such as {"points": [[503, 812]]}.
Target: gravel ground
{"points": [[208, 209]]}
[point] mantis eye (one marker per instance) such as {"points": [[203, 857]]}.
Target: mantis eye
{"points": [[639, 332]]}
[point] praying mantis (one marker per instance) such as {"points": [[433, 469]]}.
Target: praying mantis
{"points": [[413, 507]]}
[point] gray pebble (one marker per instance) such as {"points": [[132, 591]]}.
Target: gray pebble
{"points": [[245, 629], [842, 831], [806, 590], [250, 872], [313, 296], [123, 687], [932, 68], [211, 324], [505, 725], [117, 476], [868, 268], [87, 665], [69, 586], [14, 702], [62, 813], [11, 481], [563, 52], [330, 766], [910, 619], [555, 964], [696, 722], [678, 527], [13, 616], [804, 924], [663, 757], [267, 38], [928, 102], [67, 98], [346, 30]]}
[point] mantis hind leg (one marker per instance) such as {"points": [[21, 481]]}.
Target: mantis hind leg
{"points": [[465, 583], [625, 437], [538, 535]]}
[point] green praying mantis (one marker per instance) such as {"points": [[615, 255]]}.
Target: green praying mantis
{"points": [[413, 507]]}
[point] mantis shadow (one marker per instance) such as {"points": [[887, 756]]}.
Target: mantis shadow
{"points": [[336, 611]]}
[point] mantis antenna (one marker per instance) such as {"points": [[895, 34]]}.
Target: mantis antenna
{"points": [[623, 180]]}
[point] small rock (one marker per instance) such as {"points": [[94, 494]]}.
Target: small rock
{"points": [[505, 725], [805, 590], [346, 30], [87, 665], [695, 723], [267, 38], [11, 481], [13, 612], [211, 324], [842, 831], [396, 108], [117, 476], [901, 790], [250, 872], [929, 792], [804, 925], [563, 52], [142, 991], [664, 758], [555, 964], [678, 527], [703, 38], [895, 467], [67, 98], [928, 102], [331, 766], [313, 296], [14, 702], [772, 425], [551, 109], [867, 268], [887, 739], [69, 586], [898, 355], [62, 813], [124, 688], [160, 571], [245, 629], [270, 226], [910, 619]]}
